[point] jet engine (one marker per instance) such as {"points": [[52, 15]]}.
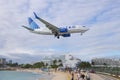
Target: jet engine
{"points": [[66, 35]]}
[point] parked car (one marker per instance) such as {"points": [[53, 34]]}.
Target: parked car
{"points": [[92, 71]]}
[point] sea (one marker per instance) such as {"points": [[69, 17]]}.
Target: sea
{"points": [[16, 75]]}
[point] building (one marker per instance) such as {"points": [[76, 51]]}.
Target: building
{"points": [[49, 59], [66, 60], [106, 62], [10, 62], [2, 62], [71, 61]]}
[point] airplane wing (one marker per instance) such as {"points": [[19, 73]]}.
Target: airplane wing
{"points": [[50, 26]]}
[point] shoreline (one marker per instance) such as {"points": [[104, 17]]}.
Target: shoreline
{"points": [[52, 75], [37, 71]]}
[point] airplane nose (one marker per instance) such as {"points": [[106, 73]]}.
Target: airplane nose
{"points": [[87, 29]]}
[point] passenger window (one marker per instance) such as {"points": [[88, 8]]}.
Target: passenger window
{"points": [[73, 26]]}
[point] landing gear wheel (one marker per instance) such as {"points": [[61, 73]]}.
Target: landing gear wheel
{"points": [[56, 34], [58, 37], [81, 33]]}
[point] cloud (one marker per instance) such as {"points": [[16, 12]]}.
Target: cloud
{"points": [[102, 17]]}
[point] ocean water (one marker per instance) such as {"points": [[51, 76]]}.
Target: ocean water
{"points": [[15, 75]]}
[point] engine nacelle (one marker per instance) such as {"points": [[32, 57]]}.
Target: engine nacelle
{"points": [[66, 35], [62, 30]]}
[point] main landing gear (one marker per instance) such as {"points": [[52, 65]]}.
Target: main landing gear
{"points": [[57, 35]]}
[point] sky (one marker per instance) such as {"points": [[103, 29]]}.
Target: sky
{"points": [[101, 17]]}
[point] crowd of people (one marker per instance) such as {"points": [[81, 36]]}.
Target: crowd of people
{"points": [[81, 75], [77, 74]]}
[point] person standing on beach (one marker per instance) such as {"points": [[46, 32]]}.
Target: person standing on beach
{"points": [[72, 78], [87, 76], [82, 76], [78, 75]]}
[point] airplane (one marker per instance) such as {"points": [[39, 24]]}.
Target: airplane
{"points": [[51, 29]]}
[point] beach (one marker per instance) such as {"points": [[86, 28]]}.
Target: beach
{"points": [[36, 75], [60, 76]]}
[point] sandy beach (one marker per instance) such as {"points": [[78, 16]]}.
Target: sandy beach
{"points": [[60, 76]]}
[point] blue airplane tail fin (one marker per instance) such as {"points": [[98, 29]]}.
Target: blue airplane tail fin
{"points": [[32, 24]]}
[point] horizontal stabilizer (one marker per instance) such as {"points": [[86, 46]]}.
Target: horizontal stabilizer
{"points": [[27, 28]]}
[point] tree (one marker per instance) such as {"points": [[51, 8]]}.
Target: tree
{"points": [[104, 64], [93, 63], [54, 61], [13, 65], [59, 60], [46, 64], [60, 64], [54, 66], [84, 65], [38, 65], [26, 65]]}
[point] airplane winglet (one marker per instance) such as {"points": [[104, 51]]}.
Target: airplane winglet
{"points": [[36, 15]]}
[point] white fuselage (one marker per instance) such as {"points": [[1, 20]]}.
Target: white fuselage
{"points": [[71, 29]]}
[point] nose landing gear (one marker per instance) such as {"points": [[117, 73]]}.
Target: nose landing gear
{"points": [[57, 35]]}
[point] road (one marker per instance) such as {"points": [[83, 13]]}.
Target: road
{"points": [[101, 77]]}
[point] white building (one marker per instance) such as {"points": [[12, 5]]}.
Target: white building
{"points": [[47, 60], [71, 61], [67, 60], [106, 62]]}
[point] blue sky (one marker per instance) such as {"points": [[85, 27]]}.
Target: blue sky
{"points": [[102, 17]]}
